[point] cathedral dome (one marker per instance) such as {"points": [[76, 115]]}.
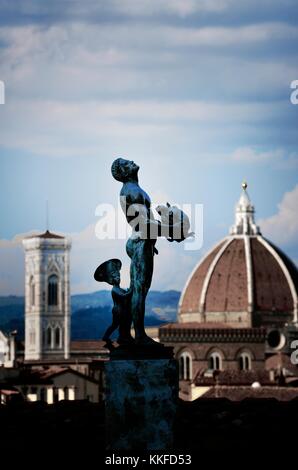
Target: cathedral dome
{"points": [[243, 281]]}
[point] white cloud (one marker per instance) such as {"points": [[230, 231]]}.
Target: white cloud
{"points": [[80, 88], [113, 9], [180, 8], [282, 228], [69, 129], [87, 253], [277, 158], [11, 266], [76, 9], [230, 36], [251, 155], [63, 83], [78, 60]]}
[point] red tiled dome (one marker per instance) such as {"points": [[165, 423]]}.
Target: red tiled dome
{"points": [[245, 280]]}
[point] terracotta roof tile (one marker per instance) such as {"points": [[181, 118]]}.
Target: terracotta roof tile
{"points": [[278, 361], [87, 345], [195, 325], [192, 293], [271, 288], [234, 377], [227, 290]]}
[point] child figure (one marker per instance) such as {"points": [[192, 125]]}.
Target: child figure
{"points": [[109, 272]]}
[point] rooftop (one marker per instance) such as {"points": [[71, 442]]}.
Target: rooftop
{"points": [[46, 234]]}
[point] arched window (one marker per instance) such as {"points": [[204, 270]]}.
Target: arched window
{"points": [[53, 290], [215, 361], [57, 337], [181, 367], [32, 291], [49, 336], [185, 366], [245, 361], [32, 337]]}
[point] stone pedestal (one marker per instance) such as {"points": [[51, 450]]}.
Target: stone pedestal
{"points": [[141, 400]]}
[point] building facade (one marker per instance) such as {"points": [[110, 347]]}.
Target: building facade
{"points": [[7, 349], [47, 297]]}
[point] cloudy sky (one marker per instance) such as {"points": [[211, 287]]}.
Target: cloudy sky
{"points": [[197, 92]]}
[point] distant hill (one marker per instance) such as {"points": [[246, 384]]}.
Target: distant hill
{"points": [[91, 323], [161, 305], [12, 317], [91, 313]]}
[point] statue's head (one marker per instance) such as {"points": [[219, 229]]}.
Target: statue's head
{"points": [[109, 272], [124, 170]]}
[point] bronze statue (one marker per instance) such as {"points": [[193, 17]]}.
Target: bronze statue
{"points": [[109, 272], [140, 247]]}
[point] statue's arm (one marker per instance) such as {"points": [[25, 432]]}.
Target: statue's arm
{"points": [[120, 293], [140, 215]]}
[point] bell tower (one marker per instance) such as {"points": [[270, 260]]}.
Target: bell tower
{"points": [[47, 297]]}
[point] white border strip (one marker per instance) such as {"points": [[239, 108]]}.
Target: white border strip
{"points": [[249, 273], [210, 272]]}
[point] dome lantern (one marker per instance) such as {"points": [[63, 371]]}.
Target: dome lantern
{"points": [[244, 216]]}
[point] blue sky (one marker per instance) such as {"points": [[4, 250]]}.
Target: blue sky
{"points": [[196, 92]]}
